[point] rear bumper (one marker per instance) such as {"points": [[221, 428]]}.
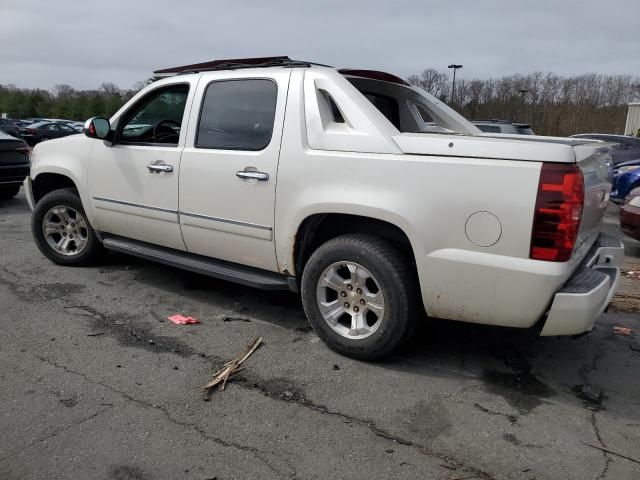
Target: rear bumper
{"points": [[578, 304], [15, 173]]}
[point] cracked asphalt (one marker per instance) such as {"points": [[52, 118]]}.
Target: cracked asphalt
{"points": [[97, 384]]}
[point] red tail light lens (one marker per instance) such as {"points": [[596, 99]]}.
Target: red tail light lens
{"points": [[558, 212]]}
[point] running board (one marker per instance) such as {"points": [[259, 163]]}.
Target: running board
{"points": [[211, 267]]}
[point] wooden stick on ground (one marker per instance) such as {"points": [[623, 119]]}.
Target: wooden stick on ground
{"points": [[612, 452], [222, 376]]}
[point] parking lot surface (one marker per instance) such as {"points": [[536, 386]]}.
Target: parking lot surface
{"points": [[96, 383]]}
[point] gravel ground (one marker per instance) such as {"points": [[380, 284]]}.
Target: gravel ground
{"points": [[98, 384]]}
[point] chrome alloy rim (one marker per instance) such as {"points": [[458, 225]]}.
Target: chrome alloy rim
{"points": [[65, 230], [350, 300]]}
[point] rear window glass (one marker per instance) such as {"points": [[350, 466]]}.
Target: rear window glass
{"points": [[424, 114], [387, 105], [237, 115]]}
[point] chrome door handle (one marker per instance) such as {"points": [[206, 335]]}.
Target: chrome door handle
{"points": [[251, 175], [158, 167]]}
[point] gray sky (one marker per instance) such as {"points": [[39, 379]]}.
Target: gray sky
{"points": [[43, 43]]}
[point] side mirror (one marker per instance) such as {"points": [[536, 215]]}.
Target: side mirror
{"points": [[97, 127]]}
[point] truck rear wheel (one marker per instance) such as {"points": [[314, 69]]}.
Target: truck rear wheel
{"points": [[61, 230], [360, 296]]}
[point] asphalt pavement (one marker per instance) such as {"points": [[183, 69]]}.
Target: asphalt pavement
{"points": [[97, 384]]}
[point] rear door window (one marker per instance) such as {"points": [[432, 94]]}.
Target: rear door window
{"points": [[237, 115]]}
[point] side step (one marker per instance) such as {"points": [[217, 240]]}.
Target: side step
{"points": [[232, 272]]}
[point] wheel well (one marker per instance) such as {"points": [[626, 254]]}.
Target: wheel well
{"points": [[320, 228], [48, 182]]}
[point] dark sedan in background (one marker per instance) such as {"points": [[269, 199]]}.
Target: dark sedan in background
{"points": [[14, 164], [9, 127], [41, 131], [629, 147]]}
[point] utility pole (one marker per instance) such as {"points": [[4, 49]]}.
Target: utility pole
{"points": [[453, 89]]}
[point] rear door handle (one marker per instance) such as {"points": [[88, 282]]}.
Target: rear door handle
{"points": [[252, 175], [159, 167]]}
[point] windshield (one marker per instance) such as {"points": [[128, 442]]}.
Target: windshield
{"points": [[412, 109]]}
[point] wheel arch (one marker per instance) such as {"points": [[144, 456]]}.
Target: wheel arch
{"points": [[46, 182], [54, 178], [318, 228]]}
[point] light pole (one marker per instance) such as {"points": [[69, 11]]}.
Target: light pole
{"points": [[522, 93], [453, 89]]}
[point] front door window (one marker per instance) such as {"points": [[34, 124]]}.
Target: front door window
{"points": [[156, 119]]}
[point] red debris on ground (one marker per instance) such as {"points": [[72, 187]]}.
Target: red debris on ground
{"points": [[182, 320], [622, 330]]}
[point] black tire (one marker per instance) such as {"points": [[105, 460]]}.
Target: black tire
{"points": [[396, 280], [64, 198], [9, 191]]}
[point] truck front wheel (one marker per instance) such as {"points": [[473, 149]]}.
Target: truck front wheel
{"points": [[61, 230], [360, 296]]}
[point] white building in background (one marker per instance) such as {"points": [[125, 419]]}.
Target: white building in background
{"points": [[633, 119]]}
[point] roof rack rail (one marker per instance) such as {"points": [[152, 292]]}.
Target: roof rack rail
{"points": [[234, 64]]}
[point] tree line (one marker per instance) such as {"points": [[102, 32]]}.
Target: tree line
{"points": [[64, 101], [552, 104]]}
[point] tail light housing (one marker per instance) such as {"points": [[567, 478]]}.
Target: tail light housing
{"points": [[558, 212]]}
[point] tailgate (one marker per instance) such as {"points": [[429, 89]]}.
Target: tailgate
{"points": [[594, 160]]}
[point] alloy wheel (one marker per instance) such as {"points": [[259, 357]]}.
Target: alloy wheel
{"points": [[65, 230], [350, 300]]}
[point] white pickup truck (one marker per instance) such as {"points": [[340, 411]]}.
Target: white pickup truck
{"points": [[376, 201]]}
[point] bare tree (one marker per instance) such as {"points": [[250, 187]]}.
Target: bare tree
{"points": [[554, 105]]}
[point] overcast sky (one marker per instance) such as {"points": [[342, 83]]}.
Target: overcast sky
{"points": [[84, 43]]}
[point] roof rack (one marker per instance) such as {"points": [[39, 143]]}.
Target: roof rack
{"points": [[233, 64]]}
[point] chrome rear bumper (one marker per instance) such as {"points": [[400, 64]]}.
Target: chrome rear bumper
{"points": [[578, 304]]}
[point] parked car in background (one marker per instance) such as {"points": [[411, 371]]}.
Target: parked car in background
{"points": [[9, 127], [626, 177], [22, 123], [77, 126], [628, 147], [39, 132], [630, 215], [503, 126], [14, 164]]}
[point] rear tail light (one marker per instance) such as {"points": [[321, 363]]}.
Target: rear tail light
{"points": [[558, 212]]}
